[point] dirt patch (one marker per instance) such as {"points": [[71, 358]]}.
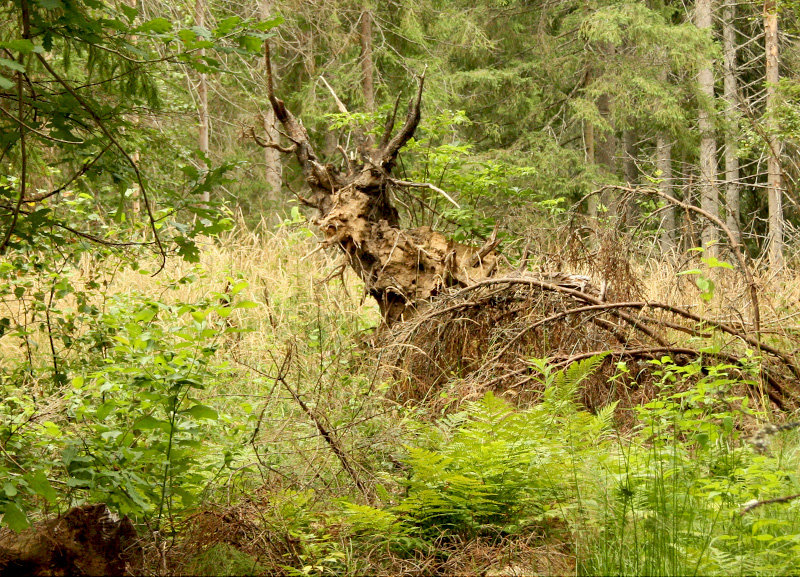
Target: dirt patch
{"points": [[88, 540]]}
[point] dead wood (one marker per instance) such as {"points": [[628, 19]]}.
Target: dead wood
{"points": [[448, 316], [484, 336], [88, 540], [401, 268]]}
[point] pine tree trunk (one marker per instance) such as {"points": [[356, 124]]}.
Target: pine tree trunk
{"points": [[606, 148], [593, 201], [732, 119], [664, 165], [709, 195], [202, 95], [631, 172], [367, 73], [774, 193], [273, 169]]}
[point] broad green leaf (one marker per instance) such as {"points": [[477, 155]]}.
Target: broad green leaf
{"points": [[5, 83], [130, 12], [267, 24], [150, 422], [157, 25], [227, 25], [251, 43], [41, 486], [10, 490], [239, 286], [202, 412], [23, 45], [12, 64], [15, 518]]}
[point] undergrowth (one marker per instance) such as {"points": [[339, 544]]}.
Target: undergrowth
{"points": [[195, 402]]}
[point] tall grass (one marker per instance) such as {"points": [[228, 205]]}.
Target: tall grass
{"points": [[487, 489]]}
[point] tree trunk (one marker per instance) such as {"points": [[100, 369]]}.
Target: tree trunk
{"points": [[631, 172], [606, 148], [709, 195], [593, 201], [732, 121], [774, 192], [664, 165], [272, 158], [367, 72], [202, 95]]}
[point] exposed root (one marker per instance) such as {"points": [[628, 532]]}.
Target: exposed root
{"points": [[486, 334]]}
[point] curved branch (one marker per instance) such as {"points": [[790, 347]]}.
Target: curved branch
{"points": [[735, 246], [392, 148], [107, 132]]}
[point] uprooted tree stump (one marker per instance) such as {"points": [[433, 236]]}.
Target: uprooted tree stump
{"points": [[448, 311], [400, 267], [87, 540]]}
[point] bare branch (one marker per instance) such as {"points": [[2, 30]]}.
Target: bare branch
{"points": [[392, 148], [389, 125], [339, 104], [268, 144], [750, 505], [409, 184]]}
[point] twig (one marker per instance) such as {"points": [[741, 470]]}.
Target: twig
{"points": [[750, 505], [107, 132], [409, 184]]}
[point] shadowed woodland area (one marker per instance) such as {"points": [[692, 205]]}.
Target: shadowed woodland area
{"points": [[259, 316]]}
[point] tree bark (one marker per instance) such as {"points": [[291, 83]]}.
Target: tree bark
{"points": [[605, 152], [202, 95], [709, 194], [732, 188], [631, 173], [273, 169], [367, 70], [664, 165], [774, 191], [593, 201]]}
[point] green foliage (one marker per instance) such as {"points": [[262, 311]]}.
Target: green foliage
{"points": [[130, 428], [491, 470], [669, 500]]}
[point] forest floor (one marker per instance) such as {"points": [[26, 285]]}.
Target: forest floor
{"points": [[318, 455]]}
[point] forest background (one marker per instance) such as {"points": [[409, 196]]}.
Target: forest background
{"points": [[174, 343]]}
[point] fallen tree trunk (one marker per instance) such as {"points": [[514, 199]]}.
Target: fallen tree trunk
{"points": [[448, 315]]}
